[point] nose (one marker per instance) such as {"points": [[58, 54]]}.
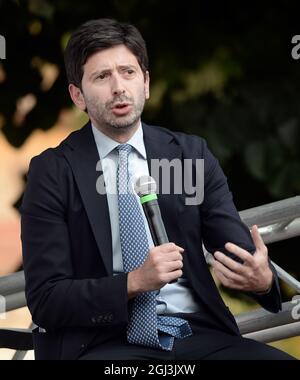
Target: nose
{"points": [[117, 85]]}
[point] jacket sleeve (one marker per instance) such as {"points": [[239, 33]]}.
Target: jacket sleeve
{"points": [[55, 298], [221, 223]]}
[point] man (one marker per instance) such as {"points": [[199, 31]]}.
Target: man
{"points": [[95, 285]]}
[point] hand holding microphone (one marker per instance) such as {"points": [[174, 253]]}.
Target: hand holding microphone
{"points": [[164, 262]]}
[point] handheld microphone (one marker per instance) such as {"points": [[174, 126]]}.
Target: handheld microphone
{"points": [[145, 187]]}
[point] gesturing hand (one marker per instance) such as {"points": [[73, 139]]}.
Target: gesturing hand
{"points": [[254, 275]]}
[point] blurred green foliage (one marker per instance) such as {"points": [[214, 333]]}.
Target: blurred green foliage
{"points": [[222, 70]]}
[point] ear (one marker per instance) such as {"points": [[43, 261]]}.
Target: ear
{"points": [[77, 97], [147, 85]]}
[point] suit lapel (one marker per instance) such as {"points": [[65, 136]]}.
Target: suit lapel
{"points": [[159, 146], [162, 146], [83, 158]]}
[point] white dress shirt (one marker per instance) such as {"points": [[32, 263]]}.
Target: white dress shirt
{"points": [[172, 298]]}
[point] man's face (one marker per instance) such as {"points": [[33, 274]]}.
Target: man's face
{"points": [[114, 89]]}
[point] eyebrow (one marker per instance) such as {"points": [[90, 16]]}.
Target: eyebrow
{"points": [[122, 67]]}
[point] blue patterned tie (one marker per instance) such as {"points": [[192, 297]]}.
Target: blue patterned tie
{"points": [[145, 327]]}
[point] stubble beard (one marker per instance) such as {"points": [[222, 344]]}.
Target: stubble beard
{"points": [[102, 115]]}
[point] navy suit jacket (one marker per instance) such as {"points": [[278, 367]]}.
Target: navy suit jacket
{"points": [[66, 237]]}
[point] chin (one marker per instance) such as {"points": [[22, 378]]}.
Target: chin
{"points": [[125, 126]]}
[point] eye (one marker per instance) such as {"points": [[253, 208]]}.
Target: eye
{"points": [[102, 76], [128, 73]]}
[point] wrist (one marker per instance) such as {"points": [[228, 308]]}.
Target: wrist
{"points": [[133, 288], [269, 285]]}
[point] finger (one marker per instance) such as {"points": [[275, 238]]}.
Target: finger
{"points": [[228, 273], [240, 252], [227, 282], [168, 247], [257, 239], [172, 266], [229, 263], [223, 279], [173, 276], [171, 256]]}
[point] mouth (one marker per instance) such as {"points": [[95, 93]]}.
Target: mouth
{"points": [[121, 109]]}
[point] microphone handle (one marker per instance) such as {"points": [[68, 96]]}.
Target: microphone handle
{"points": [[156, 225]]}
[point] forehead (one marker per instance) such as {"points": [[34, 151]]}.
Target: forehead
{"points": [[118, 55]]}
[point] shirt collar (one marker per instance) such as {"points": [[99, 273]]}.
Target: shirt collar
{"points": [[106, 145]]}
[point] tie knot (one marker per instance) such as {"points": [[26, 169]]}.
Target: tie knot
{"points": [[126, 148]]}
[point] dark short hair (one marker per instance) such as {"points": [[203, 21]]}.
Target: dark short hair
{"points": [[97, 35]]}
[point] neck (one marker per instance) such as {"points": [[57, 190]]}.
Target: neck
{"points": [[119, 135]]}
